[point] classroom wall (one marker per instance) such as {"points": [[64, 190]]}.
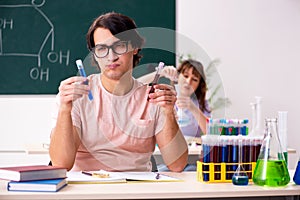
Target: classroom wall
{"points": [[257, 43], [25, 120], [25, 124]]}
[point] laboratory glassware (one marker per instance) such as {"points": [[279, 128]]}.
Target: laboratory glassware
{"points": [[282, 131], [183, 118], [296, 178], [240, 176], [271, 168]]}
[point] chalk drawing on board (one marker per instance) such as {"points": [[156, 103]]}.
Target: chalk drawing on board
{"points": [[15, 24]]}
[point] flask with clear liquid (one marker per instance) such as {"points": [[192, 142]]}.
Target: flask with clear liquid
{"points": [[183, 118], [271, 169]]}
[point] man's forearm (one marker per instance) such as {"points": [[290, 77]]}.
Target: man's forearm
{"points": [[63, 145], [172, 144]]}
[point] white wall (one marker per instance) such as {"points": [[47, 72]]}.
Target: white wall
{"points": [[258, 44], [25, 123], [25, 120]]}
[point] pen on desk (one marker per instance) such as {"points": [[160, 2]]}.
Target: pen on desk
{"points": [[157, 75], [82, 73], [157, 175], [100, 174], [86, 173]]}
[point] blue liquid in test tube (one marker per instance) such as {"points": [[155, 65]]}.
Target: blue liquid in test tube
{"points": [[82, 73], [206, 158]]}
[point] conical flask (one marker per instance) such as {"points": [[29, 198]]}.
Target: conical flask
{"points": [[240, 176], [297, 174], [271, 168]]}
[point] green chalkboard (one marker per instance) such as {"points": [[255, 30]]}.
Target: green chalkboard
{"points": [[41, 39]]}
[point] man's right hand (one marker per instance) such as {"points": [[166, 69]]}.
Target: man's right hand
{"points": [[71, 89]]}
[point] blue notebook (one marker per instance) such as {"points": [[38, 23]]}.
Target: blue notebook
{"points": [[52, 185]]}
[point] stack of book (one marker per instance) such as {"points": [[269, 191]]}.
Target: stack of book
{"points": [[42, 178]]}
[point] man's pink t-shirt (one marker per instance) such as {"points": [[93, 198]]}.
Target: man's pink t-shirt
{"points": [[114, 135]]}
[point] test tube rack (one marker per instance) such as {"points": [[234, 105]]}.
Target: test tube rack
{"points": [[221, 157], [221, 172]]}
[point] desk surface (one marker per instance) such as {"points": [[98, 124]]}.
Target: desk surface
{"points": [[189, 188]]}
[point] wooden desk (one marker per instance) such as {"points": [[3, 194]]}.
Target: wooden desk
{"points": [[190, 188]]}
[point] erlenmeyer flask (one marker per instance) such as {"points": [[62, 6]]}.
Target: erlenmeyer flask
{"points": [[240, 176], [297, 174], [271, 168]]}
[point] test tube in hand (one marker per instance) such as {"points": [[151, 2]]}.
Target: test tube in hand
{"points": [[82, 73], [157, 75]]}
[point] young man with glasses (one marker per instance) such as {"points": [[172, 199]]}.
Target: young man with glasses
{"points": [[119, 128]]}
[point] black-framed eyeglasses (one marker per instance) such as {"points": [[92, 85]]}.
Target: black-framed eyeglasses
{"points": [[102, 50]]}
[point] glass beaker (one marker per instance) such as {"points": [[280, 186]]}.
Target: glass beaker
{"points": [[271, 168], [183, 118]]}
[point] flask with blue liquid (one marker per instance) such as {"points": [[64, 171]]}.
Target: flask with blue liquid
{"points": [[296, 178], [240, 176]]}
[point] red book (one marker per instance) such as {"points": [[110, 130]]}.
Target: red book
{"points": [[32, 172]]}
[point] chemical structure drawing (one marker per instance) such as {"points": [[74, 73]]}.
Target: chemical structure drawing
{"points": [[26, 31], [14, 24]]}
